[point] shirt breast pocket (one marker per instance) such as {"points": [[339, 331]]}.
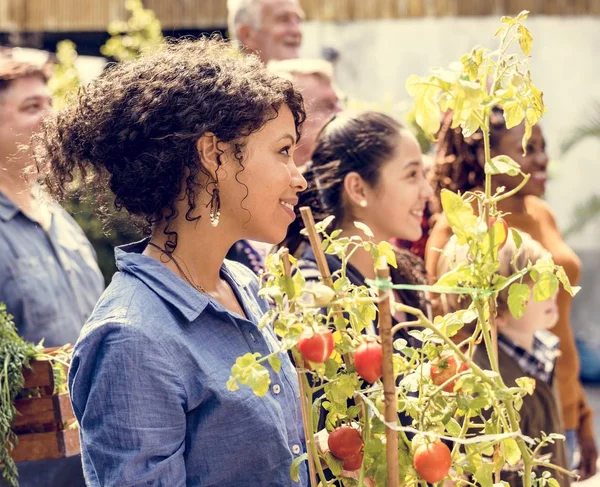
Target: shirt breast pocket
{"points": [[38, 282]]}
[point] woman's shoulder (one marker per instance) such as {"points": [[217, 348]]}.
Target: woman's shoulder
{"points": [[539, 209]]}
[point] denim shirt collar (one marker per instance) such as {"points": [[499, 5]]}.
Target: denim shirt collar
{"points": [[8, 209], [165, 283]]}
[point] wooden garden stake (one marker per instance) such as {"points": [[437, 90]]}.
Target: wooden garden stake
{"points": [[285, 258], [315, 243], [388, 379]]}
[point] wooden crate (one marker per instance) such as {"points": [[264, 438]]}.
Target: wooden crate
{"points": [[43, 423]]}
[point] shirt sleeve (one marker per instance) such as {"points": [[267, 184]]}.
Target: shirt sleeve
{"points": [[130, 405]]}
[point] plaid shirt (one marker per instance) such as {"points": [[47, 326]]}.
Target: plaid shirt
{"points": [[539, 363]]}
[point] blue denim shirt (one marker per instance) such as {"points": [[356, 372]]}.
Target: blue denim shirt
{"points": [[49, 281], [148, 386]]}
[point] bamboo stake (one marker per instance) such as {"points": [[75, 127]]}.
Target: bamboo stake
{"points": [[315, 243], [388, 379], [285, 258]]}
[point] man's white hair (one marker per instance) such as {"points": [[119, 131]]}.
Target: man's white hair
{"points": [[242, 12], [288, 68]]}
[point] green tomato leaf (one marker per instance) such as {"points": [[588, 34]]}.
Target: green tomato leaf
{"points": [[518, 297], [510, 451], [364, 228], [564, 279], [247, 371], [460, 215], [386, 249], [502, 165], [516, 237], [552, 483], [322, 225], [461, 274], [295, 467], [546, 287], [334, 464], [525, 39], [453, 428], [425, 91], [526, 383], [275, 363], [483, 474], [514, 113]]}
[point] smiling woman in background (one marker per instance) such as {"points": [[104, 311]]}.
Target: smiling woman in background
{"points": [[459, 167], [367, 168]]}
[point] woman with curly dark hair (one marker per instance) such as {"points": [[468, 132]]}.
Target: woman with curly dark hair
{"points": [[459, 167], [197, 143]]}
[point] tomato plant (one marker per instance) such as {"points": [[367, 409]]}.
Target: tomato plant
{"points": [[367, 359], [330, 324], [432, 461]]}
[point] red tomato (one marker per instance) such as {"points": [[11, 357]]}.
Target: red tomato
{"points": [[317, 345], [367, 359], [432, 461], [345, 442], [354, 462], [491, 223], [445, 368]]}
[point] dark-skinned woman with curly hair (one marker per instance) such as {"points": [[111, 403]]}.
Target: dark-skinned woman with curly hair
{"points": [[459, 167], [197, 144]]}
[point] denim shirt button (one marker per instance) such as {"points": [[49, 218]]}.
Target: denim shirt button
{"points": [[276, 389], [296, 449]]}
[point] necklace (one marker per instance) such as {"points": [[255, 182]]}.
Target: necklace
{"points": [[172, 257]]}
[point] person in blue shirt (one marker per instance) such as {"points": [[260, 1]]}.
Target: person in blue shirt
{"points": [[49, 279], [197, 143]]}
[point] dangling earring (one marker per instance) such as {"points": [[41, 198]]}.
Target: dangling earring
{"points": [[215, 207]]}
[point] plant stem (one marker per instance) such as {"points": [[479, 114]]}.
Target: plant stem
{"points": [[310, 441]]}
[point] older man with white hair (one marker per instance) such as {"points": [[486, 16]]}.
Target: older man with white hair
{"points": [[268, 28], [314, 79]]}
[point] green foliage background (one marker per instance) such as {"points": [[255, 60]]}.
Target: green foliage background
{"points": [[140, 33]]}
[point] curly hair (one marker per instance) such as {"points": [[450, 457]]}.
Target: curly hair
{"points": [[130, 136], [457, 165]]}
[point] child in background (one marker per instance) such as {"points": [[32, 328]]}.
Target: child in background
{"points": [[526, 347]]}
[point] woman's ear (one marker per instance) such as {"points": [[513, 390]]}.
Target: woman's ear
{"points": [[355, 188], [209, 152]]}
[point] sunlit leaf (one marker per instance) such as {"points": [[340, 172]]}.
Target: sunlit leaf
{"points": [[525, 39], [367, 231], [564, 279], [545, 287], [460, 215], [275, 363], [510, 451], [295, 467], [502, 165], [526, 383], [518, 297]]}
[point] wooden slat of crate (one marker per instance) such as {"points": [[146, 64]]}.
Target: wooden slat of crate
{"points": [[47, 446], [40, 374], [50, 411]]}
